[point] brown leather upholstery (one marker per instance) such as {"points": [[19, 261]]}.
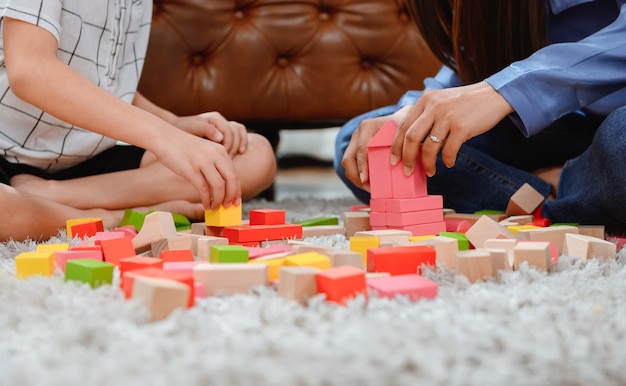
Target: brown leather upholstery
{"points": [[283, 63]]}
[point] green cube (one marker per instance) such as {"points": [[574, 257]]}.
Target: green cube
{"points": [[229, 254], [181, 222], [90, 271], [134, 218], [319, 221], [463, 241]]}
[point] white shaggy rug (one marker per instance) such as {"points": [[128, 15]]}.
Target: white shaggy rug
{"points": [[567, 327]]}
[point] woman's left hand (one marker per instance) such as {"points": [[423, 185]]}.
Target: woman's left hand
{"points": [[442, 120], [213, 126]]}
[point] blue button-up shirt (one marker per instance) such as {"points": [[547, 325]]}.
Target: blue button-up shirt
{"points": [[582, 68]]}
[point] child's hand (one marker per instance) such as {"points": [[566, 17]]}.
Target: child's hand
{"points": [[213, 126]]}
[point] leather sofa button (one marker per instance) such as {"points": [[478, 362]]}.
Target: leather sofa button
{"points": [[282, 62], [324, 16], [238, 15], [366, 64], [404, 18], [197, 59]]}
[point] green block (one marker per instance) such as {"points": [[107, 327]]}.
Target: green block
{"points": [[573, 224], [134, 218], [463, 241], [90, 271], [487, 212], [229, 254], [319, 221], [181, 222]]}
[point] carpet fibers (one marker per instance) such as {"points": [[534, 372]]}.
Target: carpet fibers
{"points": [[566, 327]]}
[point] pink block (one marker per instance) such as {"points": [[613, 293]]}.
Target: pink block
{"points": [[457, 225], [356, 208], [378, 219], [414, 218], [256, 252], [379, 204], [107, 236], [404, 186], [400, 205], [433, 228], [199, 290], [185, 267], [61, 258], [379, 173], [411, 285], [129, 230]]}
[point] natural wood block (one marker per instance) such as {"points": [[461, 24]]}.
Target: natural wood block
{"points": [[499, 260], [524, 201], [475, 264], [342, 283], [178, 242], [522, 219], [322, 230], [267, 216], [230, 278], [536, 253], [413, 286], [554, 234], [29, 264], [387, 235], [297, 283], [445, 249], [156, 226], [355, 222], [222, 216], [401, 260], [339, 257], [204, 246], [592, 230], [484, 229], [516, 228], [507, 244], [587, 247], [463, 241], [198, 228], [160, 296], [93, 272]]}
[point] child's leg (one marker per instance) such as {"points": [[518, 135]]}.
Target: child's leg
{"points": [[152, 183]]}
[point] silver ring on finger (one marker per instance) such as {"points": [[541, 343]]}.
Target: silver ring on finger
{"points": [[435, 139]]}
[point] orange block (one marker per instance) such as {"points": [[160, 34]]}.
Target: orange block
{"points": [[171, 255], [400, 260], [129, 278], [113, 250], [342, 283]]}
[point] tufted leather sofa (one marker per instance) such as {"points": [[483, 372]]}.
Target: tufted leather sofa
{"points": [[275, 64]]}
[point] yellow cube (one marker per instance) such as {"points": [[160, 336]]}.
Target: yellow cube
{"points": [[34, 263], [362, 243], [62, 247], [273, 267], [222, 217], [415, 239], [308, 259]]}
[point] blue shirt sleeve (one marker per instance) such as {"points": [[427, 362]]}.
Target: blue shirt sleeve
{"points": [[564, 77], [445, 78]]}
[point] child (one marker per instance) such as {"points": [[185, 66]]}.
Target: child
{"points": [[68, 76]]}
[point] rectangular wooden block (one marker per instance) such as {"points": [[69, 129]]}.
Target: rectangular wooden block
{"points": [[340, 284], [267, 216], [401, 260], [250, 233], [230, 278], [160, 296], [413, 286], [404, 219], [223, 216], [297, 283]]}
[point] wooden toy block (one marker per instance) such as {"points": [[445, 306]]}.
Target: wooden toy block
{"points": [[457, 225], [177, 255], [379, 204], [445, 248], [273, 266], [138, 262], [133, 218], [267, 217], [536, 253], [29, 264], [58, 247], [309, 247], [308, 259], [228, 254], [469, 217], [355, 222], [185, 267], [181, 222], [413, 204], [86, 247], [408, 186], [177, 242], [129, 277], [400, 260], [486, 228], [499, 261], [379, 166], [417, 239], [96, 222], [524, 201], [496, 215], [322, 230], [376, 275], [222, 216], [317, 221], [61, 257], [160, 296], [342, 283], [99, 236], [414, 218], [519, 220], [258, 252], [412, 286], [113, 250], [297, 283], [475, 264], [339, 257], [156, 226], [554, 234], [84, 230], [248, 233], [507, 244], [230, 278], [592, 230], [361, 244], [204, 246], [426, 229], [378, 220], [516, 228], [464, 243], [587, 247], [387, 236], [198, 228], [93, 272], [128, 230]]}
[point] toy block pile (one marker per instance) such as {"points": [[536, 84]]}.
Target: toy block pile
{"points": [[399, 201]]}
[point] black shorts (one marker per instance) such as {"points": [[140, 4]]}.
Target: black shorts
{"points": [[115, 159]]}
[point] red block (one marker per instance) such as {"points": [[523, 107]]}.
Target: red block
{"points": [[129, 279], [400, 260], [248, 233], [88, 229], [267, 216], [341, 284], [114, 250], [138, 262]]}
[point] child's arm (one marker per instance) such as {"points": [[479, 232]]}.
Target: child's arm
{"points": [[38, 77], [210, 125]]}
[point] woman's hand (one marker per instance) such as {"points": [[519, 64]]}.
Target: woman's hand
{"points": [[442, 120], [213, 126]]}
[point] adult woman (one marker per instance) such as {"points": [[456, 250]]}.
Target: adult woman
{"points": [[526, 87]]}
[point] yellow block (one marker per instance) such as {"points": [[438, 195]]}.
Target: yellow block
{"points": [[362, 243], [34, 263], [62, 247], [222, 217], [517, 228], [415, 239], [308, 259], [273, 267]]}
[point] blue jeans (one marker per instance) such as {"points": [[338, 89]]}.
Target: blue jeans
{"points": [[490, 168]]}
